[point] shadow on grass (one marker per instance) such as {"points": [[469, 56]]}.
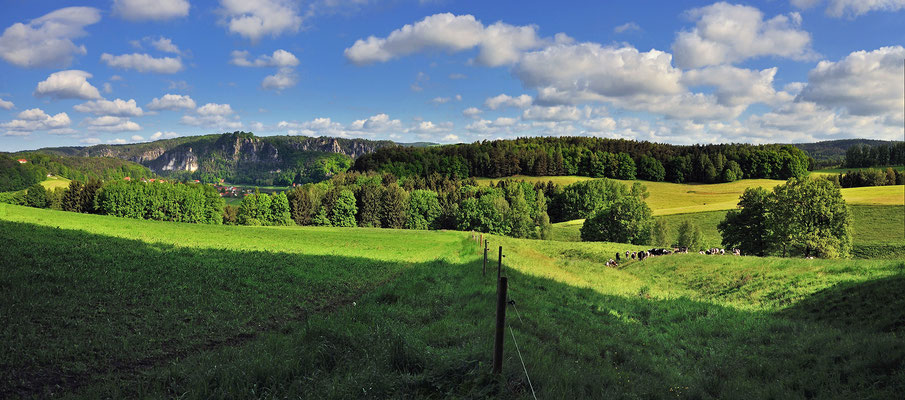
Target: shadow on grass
{"points": [[873, 306], [79, 310]]}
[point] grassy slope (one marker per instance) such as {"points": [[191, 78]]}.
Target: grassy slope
{"points": [[212, 311], [876, 230], [55, 182], [673, 198]]}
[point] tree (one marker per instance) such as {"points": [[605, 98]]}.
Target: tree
{"points": [[36, 196], [651, 169], [690, 236], [279, 210], [626, 167], [424, 209], [230, 214], [521, 225], [810, 218], [748, 227], [626, 220], [72, 198], [344, 209], [369, 205], [660, 234], [394, 207]]}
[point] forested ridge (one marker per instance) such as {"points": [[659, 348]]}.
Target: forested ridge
{"points": [[596, 157]]}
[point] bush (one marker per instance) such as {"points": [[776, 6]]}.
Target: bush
{"points": [[36, 196]]}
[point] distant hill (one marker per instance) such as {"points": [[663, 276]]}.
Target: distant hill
{"points": [[238, 157], [832, 152]]}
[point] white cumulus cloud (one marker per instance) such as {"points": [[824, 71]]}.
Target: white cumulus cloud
{"points": [[6, 104], [254, 19], [171, 102], [499, 44], [504, 100], [109, 123], [853, 8], [150, 10], [280, 58], [164, 135], [118, 107], [36, 119], [862, 83], [727, 33], [47, 41], [143, 63], [69, 84]]}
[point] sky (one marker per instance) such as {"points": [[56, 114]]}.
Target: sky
{"points": [[445, 71]]}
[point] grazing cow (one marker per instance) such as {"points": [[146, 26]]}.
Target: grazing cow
{"points": [[617, 256], [634, 255]]}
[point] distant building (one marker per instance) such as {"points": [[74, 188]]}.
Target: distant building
{"points": [[22, 161]]}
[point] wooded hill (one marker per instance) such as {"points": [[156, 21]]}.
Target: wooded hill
{"points": [[238, 157]]}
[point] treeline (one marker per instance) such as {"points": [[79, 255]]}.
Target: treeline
{"points": [[868, 177], [15, 176], [381, 200], [880, 155], [161, 201], [595, 157], [86, 168]]}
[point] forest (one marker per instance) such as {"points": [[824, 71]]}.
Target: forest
{"points": [[595, 157]]}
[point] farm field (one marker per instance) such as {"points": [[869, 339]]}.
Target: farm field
{"points": [[836, 171], [194, 311], [54, 182], [674, 198], [877, 231]]}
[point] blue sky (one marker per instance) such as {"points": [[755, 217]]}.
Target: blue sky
{"points": [[680, 72]]}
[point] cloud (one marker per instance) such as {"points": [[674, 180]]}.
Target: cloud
{"points": [[627, 27], [555, 113], [213, 115], [376, 124], [90, 140], [171, 102], [215, 109], [165, 45], [504, 100], [165, 135], [108, 88], [499, 44], [862, 83], [254, 19], [150, 10], [472, 112], [852, 8], [136, 138], [444, 100], [69, 84], [280, 58], [109, 123], [737, 86], [117, 141], [726, 33], [35, 119], [118, 107], [591, 71], [143, 63], [6, 104], [450, 138], [284, 78], [47, 41]]}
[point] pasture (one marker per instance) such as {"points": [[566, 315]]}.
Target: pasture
{"points": [[673, 198], [837, 171], [877, 231], [97, 306]]}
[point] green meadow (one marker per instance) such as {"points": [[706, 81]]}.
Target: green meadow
{"points": [[102, 307], [682, 198]]}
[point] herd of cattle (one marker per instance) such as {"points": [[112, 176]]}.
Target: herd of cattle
{"points": [[641, 255]]}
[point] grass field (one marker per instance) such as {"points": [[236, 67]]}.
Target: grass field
{"points": [[100, 307], [54, 182], [877, 231], [673, 198], [837, 171]]}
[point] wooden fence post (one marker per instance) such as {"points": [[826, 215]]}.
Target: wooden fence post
{"points": [[499, 265], [484, 268], [500, 322]]}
